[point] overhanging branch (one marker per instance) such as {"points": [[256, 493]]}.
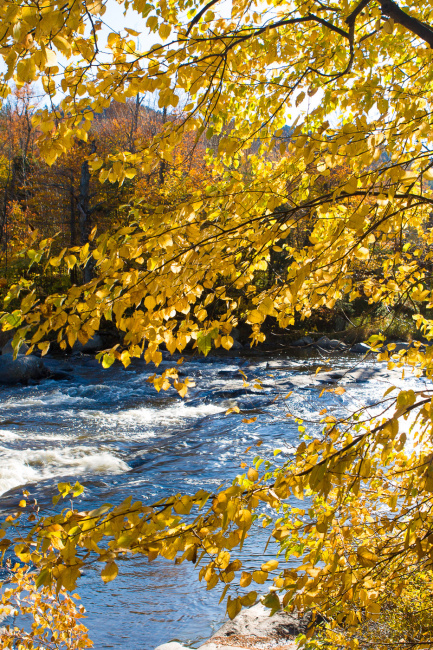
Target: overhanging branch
{"points": [[392, 10]]}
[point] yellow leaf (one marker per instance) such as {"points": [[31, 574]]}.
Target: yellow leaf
{"points": [[62, 44], [388, 26], [300, 98], [255, 317], [51, 58], [233, 409], [271, 565], [183, 506], [249, 599], [233, 607], [245, 579], [362, 253], [260, 577], [226, 342], [152, 23], [164, 31], [266, 307], [109, 572], [243, 518], [26, 70], [150, 303], [44, 347], [366, 557]]}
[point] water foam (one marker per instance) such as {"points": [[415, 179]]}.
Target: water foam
{"points": [[155, 417], [31, 465], [170, 415], [5, 434], [14, 472], [54, 398]]}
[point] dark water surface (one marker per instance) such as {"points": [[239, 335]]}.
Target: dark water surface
{"points": [[111, 430]]}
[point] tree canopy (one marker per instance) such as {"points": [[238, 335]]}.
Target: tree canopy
{"points": [[353, 82]]}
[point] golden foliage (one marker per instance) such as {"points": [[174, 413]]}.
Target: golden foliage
{"points": [[182, 268], [54, 615]]}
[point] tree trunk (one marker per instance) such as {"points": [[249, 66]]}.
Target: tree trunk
{"points": [[85, 214], [72, 215], [163, 163]]}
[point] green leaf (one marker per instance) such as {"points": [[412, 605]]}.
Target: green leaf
{"points": [[108, 360], [77, 489], [204, 341]]}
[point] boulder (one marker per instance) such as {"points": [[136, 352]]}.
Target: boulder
{"points": [[173, 645], [255, 625], [235, 334], [237, 345], [360, 348], [229, 374], [232, 393], [248, 646], [363, 375], [23, 369], [95, 344], [303, 342], [253, 629], [61, 375], [8, 349], [330, 344], [402, 345], [332, 377], [6, 335], [357, 375]]}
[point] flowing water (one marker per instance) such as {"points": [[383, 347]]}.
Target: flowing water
{"points": [[111, 430]]}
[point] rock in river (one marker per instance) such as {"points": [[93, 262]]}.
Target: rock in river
{"points": [[330, 344], [253, 628], [22, 369], [304, 342], [94, 344], [360, 348], [256, 622], [8, 349], [173, 645], [404, 345]]}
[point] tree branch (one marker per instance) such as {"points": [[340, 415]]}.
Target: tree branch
{"points": [[197, 17], [391, 9], [351, 19]]}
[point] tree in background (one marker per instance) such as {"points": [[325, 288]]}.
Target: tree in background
{"points": [[181, 269]]}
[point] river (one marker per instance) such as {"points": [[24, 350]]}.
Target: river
{"points": [[111, 430]]}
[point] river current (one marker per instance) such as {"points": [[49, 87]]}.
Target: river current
{"points": [[114, 433]]}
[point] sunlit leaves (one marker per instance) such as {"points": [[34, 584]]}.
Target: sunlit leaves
{"points": [[284, 226], [109, 572], [56, 617]]}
